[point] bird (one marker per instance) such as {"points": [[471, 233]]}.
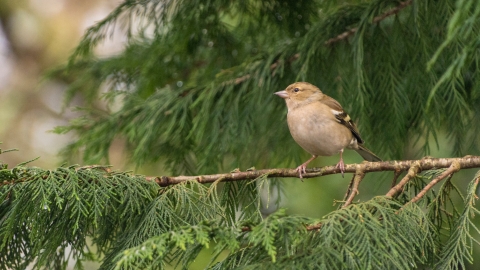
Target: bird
{"points": [[320, 126]]}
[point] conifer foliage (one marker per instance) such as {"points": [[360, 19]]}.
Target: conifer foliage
{"points": [[193, 90]]}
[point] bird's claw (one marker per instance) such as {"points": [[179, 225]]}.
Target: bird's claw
{"points": [[300, 169], [340, 165], [303, 167]]}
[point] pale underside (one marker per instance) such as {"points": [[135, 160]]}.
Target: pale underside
{"points": [[320, 136]]}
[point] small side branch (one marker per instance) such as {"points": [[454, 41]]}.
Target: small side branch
{"points": [[477, 181], [412, 172], [314, 227], [377, 19], [359, 175], [349, 189], [311, 227], [455, 167], [273, 68], [395, 177]]}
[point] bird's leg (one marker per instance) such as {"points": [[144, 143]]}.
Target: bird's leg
{"points": [[340, 164], [303, 167]]}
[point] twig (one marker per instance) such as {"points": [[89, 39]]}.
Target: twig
{"points": [[455, 167], [312, 227], [106, 168], [273, 67], [477, 181], [396, 174], [377, 19], [8, 150], [342, 36], [349, 189], [412, 172], [359, 175], [414, 167]]}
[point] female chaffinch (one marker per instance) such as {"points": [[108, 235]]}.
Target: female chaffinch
{"points": [[319, 125]]}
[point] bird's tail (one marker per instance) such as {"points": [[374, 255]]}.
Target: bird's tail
{"points": [[367, 154]]}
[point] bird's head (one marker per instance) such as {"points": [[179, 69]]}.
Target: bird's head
{"points": [[300, 93]]}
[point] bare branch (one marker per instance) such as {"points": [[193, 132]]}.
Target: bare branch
{"points": [[395, 177], [455, 167], [359, 175], [412, 172], [349, 189], [397, 165]]}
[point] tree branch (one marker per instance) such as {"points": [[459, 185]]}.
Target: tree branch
{"points": [[414, 167], [359, 175], [455, 167], [377, 19], [349, 189], [412, 172], [395, 177], [311, 227]]}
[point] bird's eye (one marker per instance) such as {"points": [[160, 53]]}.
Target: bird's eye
{"points": [[296, 90]]}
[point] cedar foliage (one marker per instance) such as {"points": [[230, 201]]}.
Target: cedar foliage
{"points": [[193, 90]]}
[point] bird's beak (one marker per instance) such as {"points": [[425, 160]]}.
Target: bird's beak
{"points": [[283, 94]]}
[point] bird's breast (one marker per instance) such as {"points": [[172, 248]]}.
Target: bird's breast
{"points": [[318, 133]]}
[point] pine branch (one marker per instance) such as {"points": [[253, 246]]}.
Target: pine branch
{"points": [[181, 216], [281, 239], [377, 19], [360, 174], [414, 167], [458, 248], [338, 38], [455, 167]]}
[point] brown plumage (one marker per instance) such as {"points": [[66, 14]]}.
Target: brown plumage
{"points": [[319, 125]]}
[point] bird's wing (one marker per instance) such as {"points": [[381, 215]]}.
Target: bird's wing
{"points": [[341, 116]]}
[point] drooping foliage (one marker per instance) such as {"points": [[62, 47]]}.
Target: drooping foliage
{"points": [[49, 217], [194, 86]]}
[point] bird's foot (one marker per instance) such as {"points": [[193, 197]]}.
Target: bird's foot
{"points": [[301, 169], [340, 165]]}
